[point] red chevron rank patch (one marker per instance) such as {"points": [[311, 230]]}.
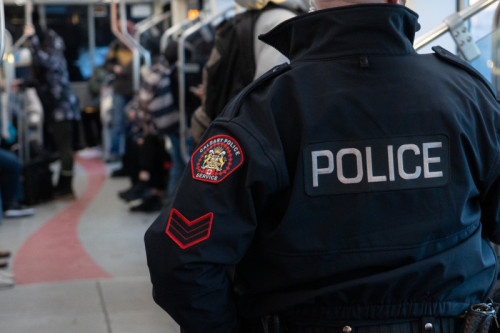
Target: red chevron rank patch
{"points": [[187, 233], [216, 159]]}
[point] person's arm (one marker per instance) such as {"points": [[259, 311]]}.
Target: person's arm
{"points": [[490, 184], [208, 227], [111, 57]]}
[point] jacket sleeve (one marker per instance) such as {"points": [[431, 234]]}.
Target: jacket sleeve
{"points": [[208, 227], [111, 57], [490, 186]]}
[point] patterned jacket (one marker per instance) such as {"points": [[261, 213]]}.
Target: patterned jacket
{"points": [[51, 77]]}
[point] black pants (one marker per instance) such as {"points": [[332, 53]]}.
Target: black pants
{"points": [[91, 123], [150, 156], [61, 133]]}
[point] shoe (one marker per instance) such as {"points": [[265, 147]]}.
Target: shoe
{"points": [[153, 203], [4, 254], [119, 173], [16, 210], [64, 189], [4, 263], [140, 190], [90, 153], [6, 280], [64, 194]]}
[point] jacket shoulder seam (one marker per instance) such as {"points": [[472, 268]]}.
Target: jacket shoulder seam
{"points": [[449, 57]]}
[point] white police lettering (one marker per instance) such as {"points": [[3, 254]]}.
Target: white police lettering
{"points": [[369, 168], [401, 169], [359, 166], [428, 160], [376, 165], [316, 171]]}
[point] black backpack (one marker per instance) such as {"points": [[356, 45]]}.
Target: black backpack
{"points": [[231, 66]]}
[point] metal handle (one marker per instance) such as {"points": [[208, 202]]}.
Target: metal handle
{"points": [[28, 12], [123, 20], [182, 78], [135, 53], [148, 23], [441, 29]]}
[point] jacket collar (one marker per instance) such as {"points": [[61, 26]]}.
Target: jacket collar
{"points": [[349, 30]]}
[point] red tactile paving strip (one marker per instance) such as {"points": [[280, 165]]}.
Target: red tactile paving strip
{"points": [[54, 252]]}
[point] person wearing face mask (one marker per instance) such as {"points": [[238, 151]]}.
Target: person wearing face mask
{"points": [[355, 189]]}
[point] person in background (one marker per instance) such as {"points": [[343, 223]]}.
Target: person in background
{"points": [[119, 61], [156, 119], [61, 111], [213, 90], [356, 189], [11, 189]]}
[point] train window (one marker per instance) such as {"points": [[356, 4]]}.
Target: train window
{"points": [[483, 31], [71, 23]]}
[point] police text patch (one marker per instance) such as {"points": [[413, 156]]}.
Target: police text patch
{"points": [[186, 233], [216, 159], [376, 165]]}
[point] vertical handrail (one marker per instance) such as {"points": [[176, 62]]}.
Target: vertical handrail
{"points": [[123, 20], [182, 90], [2, 29], [172, 30], [135, 53], [91, 25], [182, 78], [441, 29], [8, 71]]}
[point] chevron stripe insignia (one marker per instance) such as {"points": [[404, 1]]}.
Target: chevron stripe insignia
{"points": [[187, 233]]}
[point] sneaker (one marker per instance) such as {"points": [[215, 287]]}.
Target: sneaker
{"points": [[140, 190], [153, 203], [17, 210], [6, 280], [90, 153]]}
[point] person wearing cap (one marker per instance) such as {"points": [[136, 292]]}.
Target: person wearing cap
{"points": [[355, 189]]}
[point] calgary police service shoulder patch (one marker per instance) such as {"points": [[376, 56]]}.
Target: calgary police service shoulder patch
{"points": [[216, 159]]}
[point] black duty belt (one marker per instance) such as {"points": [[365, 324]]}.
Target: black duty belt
{"points": [[423, 325]]}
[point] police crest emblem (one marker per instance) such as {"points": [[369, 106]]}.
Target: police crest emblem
{"points": [[216, 159]]}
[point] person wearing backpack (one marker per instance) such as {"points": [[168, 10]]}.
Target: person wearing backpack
{"points": [[238, 57]]}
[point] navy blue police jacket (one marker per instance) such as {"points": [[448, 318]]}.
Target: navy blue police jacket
{"points": [[360, 182]]}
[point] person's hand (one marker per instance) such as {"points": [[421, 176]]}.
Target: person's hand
{"points": [[117, 69], [29, 30], [15, 85], [197, 91]]}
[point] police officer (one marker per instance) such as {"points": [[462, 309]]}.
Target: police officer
{"points": [[354, 190]]}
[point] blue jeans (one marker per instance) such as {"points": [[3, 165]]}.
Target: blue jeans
{"points": [[10, 178], [177, 164], [118, 124]]}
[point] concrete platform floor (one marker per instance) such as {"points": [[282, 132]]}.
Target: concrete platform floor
{"points": [[80, 266]]}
